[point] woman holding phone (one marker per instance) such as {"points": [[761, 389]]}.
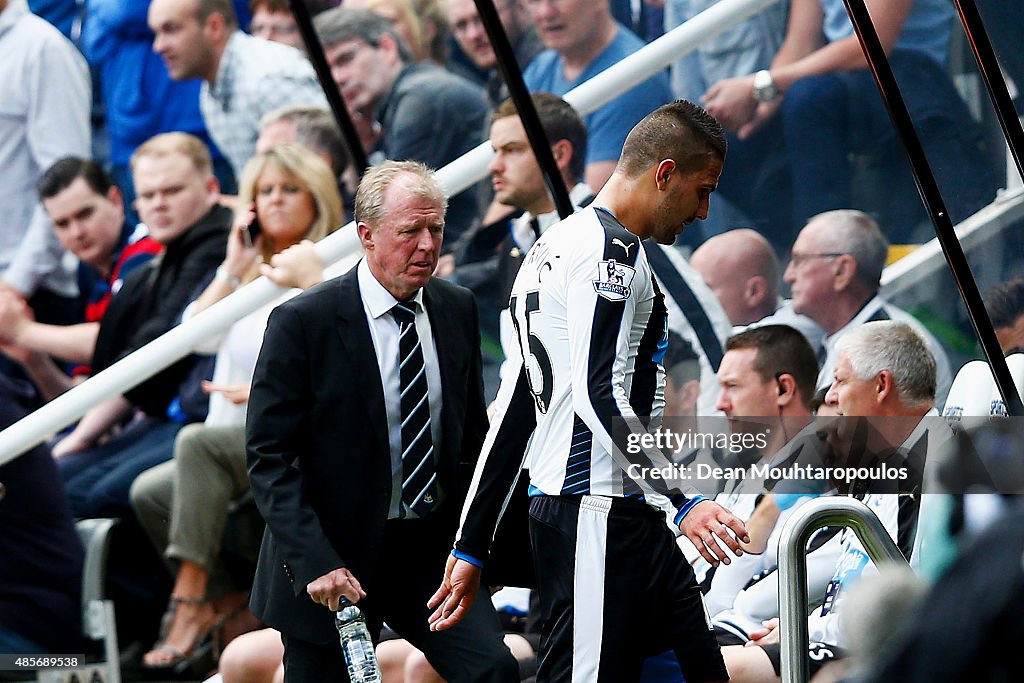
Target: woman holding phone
{"points": [[289, 195]]}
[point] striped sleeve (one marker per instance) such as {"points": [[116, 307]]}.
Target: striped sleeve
{"points": [[500, 462]]}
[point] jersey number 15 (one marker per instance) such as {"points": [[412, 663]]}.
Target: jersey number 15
{"points": [[535, 357]]}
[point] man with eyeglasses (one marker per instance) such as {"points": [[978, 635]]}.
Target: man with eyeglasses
{"points": [[471, 36], [273, 20], [741, 269], [834, 274]]}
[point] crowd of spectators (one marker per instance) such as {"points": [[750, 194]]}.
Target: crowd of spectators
{"points": [[162, 154]]}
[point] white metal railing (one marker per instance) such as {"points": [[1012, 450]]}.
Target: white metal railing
{"points": [[974, 233], [808, 518], [343, 245]]}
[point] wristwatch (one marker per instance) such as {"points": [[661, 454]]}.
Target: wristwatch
{"points": [[227, 278], [764, 86]]}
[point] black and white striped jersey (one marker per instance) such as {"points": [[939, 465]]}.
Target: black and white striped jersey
{"points": [[694, 313], [592, 330]]}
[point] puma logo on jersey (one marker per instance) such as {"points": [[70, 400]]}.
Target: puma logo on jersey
{"points": [[625, 247]]}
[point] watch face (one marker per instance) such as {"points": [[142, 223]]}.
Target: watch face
{"points": [[764, 87]]}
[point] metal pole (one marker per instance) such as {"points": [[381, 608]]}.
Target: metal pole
{"points": [[932, 198], [977, 38], [509, 68], [315, 51], [796, 532]]}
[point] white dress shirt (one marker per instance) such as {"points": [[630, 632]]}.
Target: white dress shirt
{"points": [[377, 304]]}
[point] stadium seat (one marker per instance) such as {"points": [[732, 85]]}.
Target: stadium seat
{"points": [[97, 612]]}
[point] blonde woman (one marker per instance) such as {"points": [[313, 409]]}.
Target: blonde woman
{"points": [[291, 195]]}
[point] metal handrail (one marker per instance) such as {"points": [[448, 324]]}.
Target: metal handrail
{"points": [[808, 518]]}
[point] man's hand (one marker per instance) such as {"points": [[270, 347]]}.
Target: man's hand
{"points": [[236, 393], [14, 315], [708, 524], [731, 101], [297, 266], [328, 589], [768, 635], [455, 596]]}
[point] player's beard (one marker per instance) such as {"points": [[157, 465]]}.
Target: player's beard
{"points": [[668, 226]]}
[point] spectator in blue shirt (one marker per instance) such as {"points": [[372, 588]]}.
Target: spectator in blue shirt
{"points": [[582, 40]]}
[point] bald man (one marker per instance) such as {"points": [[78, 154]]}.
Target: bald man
{"points": [[742, 270]]}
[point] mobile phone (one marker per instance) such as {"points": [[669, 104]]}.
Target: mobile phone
{"points": [[251, 232]]}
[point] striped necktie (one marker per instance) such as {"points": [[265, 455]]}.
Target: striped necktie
{"points": [[419, 476]]}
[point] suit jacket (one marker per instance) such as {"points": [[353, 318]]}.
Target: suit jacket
{"points": [[317, 442]]}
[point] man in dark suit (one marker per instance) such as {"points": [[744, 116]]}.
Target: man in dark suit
{"points": [[365, 420]]}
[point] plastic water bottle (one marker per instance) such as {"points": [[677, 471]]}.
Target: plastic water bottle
{"points": [[356, 644]]}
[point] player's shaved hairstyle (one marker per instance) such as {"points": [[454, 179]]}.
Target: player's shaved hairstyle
{"points": [[681, 131]]}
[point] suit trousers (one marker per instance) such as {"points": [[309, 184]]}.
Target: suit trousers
{"points": [[408, 572], [183, 504]]}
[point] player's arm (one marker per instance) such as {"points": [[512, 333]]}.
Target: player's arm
{"points": [[500, 462], [494, 478]]}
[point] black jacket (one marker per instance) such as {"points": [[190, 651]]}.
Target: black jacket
{"points": [[317, 441], [40, 554], [151, 301]]}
